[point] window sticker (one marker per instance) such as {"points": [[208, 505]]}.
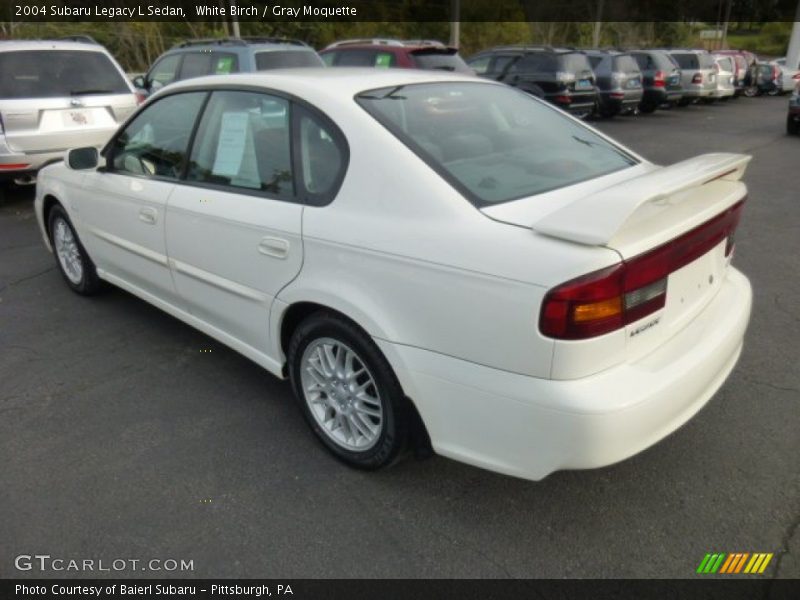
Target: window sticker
{"points": [[383, 60], [233, 135], [224, 65]]}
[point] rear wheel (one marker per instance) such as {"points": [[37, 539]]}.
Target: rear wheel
{"points": [[792, 126], [648, 107], [74, 263], [347, 392]]}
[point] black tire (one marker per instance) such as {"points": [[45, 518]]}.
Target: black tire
{"points": [[647, 107], [684, 102], [89, 283], [792, 126], [393, 438]]}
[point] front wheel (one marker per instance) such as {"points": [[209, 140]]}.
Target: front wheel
{"points": [[74, 263], [347, 392]]}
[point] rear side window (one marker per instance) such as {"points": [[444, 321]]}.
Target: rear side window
{"points": [[535, 62], [643, 60], [243, 141], [575, 63], [155, 143], [323, 157], [287, 59], [58, 73], [686, 61], [492, 142], [625, 64], [480, 64]]}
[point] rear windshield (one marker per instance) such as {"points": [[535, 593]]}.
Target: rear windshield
{"points": [[574, 63], [287, 59], [687, 61], [492, 142], [625, 64], [444, 60], [58, 73]]}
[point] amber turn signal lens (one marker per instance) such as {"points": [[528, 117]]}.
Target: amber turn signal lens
{"points": [[597, 310]]}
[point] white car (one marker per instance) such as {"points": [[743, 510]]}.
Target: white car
{"points": [[790, 76], [725, 68], [423, 255]]}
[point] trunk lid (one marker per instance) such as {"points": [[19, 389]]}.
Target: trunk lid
{"points": [[675, 210]]}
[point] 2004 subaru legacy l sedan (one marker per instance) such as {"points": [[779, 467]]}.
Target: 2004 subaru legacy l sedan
{"points": [[420, 253]]}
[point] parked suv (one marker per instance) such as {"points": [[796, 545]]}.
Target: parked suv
{"points": [[698, 75], [55, 95], [619, 81], [404, 54], [661, 79], [562, 76], [195, 58]]}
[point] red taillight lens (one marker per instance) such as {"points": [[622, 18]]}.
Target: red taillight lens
{"points": [[698, 78], [140, 97], [614, 297], [776, 72], [564, 99], [795, 76], [658, 79], [14, 166]]}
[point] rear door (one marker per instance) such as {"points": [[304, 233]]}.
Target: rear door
{"points": [[234, 226], [53, 100]]}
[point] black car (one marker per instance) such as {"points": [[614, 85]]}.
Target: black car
{"points": [[619, 81], [661, 79], [562, 76]]}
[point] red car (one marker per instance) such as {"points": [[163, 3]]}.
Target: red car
{"points": [[403, 54]]}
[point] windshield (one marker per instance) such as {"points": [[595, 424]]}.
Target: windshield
{"points": [[575, 63], [287, 59], [625, 64], [58, 73], [493, 142]]}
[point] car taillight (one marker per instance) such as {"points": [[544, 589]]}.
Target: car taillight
{"points": [[795, 76], [775, 72], [564, 99], [140, 97], [698, 78], [609, 299], [658, 79]]}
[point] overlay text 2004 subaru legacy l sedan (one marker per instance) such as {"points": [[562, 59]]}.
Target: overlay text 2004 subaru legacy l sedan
{"points": [[420, 248]]}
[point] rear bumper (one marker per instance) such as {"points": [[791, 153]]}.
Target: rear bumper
{"points": [[661, 95], [698, 91], [529, 427], [15, 164], [724, 92]]}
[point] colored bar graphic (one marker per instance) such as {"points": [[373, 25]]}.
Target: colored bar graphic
{"points": [[765, 563], [734, 563]]}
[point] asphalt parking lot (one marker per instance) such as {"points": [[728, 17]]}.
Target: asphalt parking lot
{"points": [[126, 434]]}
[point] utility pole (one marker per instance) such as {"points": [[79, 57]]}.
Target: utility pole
{"points": [[793, 52], [455, 24], [724, 42], [235, 17]]}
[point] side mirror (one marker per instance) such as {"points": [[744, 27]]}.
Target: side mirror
{"points": [[83, 158], [139, 82]]}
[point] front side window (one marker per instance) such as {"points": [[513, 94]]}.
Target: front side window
{"points": [[164, 71], [155, 143], [243, 141], [57, 73], [492, 142]]}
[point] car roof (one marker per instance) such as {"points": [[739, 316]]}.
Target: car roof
{"points": [[322, 82], [385, 43], [256, 44], [15, 45]]}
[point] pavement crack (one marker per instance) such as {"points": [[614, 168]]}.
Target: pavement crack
{"points": [[771, 385], [14, 282], [791, 531]]}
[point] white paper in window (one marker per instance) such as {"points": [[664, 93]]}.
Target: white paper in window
{"points": [[231, 144]]}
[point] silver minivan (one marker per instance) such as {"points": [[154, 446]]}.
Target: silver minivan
{"points": [[56, 95], [698, 75]]}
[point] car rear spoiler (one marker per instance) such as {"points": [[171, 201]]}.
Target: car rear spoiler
{"points": [[595, 219]]}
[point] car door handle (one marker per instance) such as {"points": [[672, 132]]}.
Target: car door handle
{"points": [[275, 247], [148, 215]]}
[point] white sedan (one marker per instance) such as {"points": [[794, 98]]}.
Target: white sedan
{"points": [[425, 256]]}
